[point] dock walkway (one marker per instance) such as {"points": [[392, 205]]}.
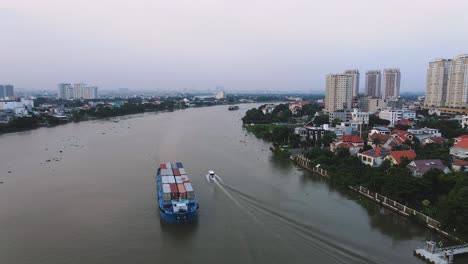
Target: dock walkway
{"points": [[434, 255]]}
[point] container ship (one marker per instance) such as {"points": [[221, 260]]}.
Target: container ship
{"points": [[177, 201]]}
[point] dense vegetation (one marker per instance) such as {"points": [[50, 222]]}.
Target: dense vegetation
{"points": [[443, 196], [280, 114], [448, 128]]}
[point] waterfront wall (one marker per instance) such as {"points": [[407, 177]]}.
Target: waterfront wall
{"points": [[376, 197]]}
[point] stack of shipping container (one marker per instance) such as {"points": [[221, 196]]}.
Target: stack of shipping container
{"points": [[175, 182]]}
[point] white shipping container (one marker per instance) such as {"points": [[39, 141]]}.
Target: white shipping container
{"points": [[189, 190], [185, 178], [168, 179], [182, 171], [165, 172], [178, 179], [168, 165], [166, 192]]}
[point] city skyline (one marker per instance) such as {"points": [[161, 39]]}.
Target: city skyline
{"points": [[244, 46]]}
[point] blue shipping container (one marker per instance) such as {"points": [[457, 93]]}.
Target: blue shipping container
{"points": [[179, 165]]}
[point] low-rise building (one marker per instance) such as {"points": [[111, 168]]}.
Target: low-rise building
{"points": [[353, 143], [373, 157], [396, 115], [460, 165], [460, 149], [422, 133], [420, 167], [396, 156], [267, 108], [380, 130], [435, 140], [372, 104], [378, 140], [297, 106]]}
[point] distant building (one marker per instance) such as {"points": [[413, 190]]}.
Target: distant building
{"points": [[355, 74], [76, 91], [343, 116], [372, 104], [353, 143], [391, 83], [380, 130], [447, 84], [267, 108], [460, 165], [433, 140], [220, 95], [437, 80], [297, 106], [7, 91], [373, 83], [339, 92]]}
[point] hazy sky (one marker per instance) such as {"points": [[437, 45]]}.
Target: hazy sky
{"points": [[241, 45]]}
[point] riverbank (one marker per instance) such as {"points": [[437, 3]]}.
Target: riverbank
{"points": [[384, 201]]}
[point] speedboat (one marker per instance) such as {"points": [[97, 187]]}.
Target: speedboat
{"points": [[212, 174]]}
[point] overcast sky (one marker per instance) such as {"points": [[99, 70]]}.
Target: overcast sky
{"points": [[238, 44]]}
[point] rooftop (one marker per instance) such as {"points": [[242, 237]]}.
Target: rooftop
{"points": [[376, 152], [399, 154]]}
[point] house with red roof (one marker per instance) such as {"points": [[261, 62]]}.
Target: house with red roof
{"points": [[433, 140], [396, 156], [353, 143], [378, 140], [401, 136], [459, 165], [404, 122], [373, 157], [460, 148], [460, 138]]}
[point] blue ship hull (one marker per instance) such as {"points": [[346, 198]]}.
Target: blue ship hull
{"points": [[167, 213]]}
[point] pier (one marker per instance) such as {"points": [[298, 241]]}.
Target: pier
{"points": [[432, 254]]}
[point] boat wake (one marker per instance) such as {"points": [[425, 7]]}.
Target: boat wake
{"points": [[313, 237]]}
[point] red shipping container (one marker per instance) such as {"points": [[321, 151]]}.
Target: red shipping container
{"points": [[174, 191], [162, 166], [182, 192], [176, 172]]}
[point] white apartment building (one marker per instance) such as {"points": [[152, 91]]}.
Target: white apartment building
{"points": [[339, 92], [391, 83], [355, 74], [396, 115], [457, 87], [447, 82], [77, 91], [437, 79]]}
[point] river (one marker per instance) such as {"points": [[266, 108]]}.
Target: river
{"points": [[85, 193]]}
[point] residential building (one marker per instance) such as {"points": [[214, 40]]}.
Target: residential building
{"points": [[372, 104], [396, 156], [457, 88], [447, 83], [460, 165], [297, 106], [422, 133], [437, 80], [391, 83], [433, 140], [7, 91], [220, 95], [401, 137], [373, 83], [355, 74], [360, 117], [460, 149], [378, 140], [339, 92], [373, 157], [420, 167], [380, 130], [343, 116], [353, 143], [76, 91], [396, 115], [267, 108], [460, 138]]}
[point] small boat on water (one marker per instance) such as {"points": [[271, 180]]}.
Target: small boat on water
{"points": [[233, 107]]}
